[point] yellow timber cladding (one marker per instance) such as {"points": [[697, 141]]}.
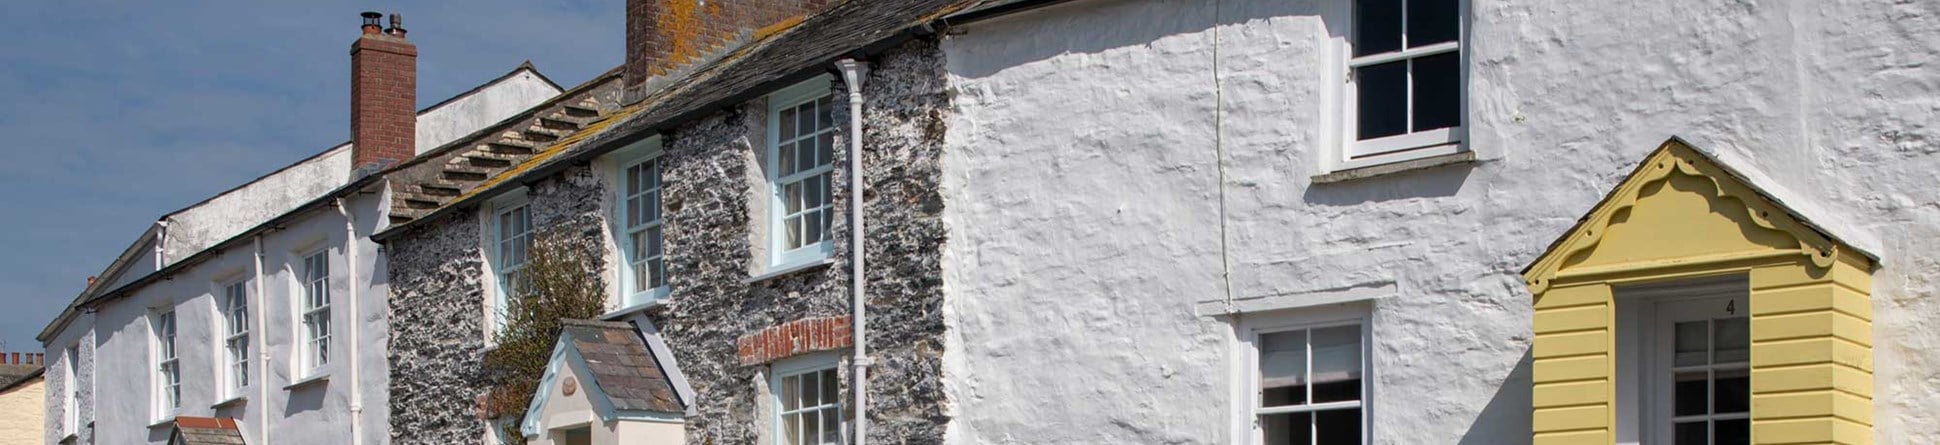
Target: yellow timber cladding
{"points": [[1681, 216]]}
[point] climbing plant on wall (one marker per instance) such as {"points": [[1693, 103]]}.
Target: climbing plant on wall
{"points": [[560, 281]]}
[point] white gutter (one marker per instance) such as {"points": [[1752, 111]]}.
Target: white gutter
{"points": [[262, 343], [853, 73], [350, 260]]}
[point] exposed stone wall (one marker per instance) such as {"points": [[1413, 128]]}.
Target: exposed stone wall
{"points": [[436, 269], [436, 337], [56, 390], [438, 307]]}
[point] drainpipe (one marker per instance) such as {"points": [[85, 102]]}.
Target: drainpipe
{"points": [[262, 343], [161, 239], [350, 260], [853, 73]]}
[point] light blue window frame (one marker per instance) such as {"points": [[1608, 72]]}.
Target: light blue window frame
{"points": [[638, 213], [818, 367], [782, 255], [510, 230]]}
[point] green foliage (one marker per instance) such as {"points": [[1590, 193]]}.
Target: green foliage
{"points": [[560, 281]]}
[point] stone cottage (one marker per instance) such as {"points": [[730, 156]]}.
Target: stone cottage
{"points": [[1230, 221]]}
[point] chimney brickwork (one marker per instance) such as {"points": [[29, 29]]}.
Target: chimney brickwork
{"points": [[664, 35], [383, 94]]}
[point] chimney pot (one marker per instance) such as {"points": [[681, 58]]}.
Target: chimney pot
{"points": [[371, 22], [397, 25]]}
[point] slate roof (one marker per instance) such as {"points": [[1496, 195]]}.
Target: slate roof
{"points": [[779, 56], [207, 431], [9, 380], [621, 366]]}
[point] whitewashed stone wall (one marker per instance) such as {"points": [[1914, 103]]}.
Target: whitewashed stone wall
{"points": [[1084, 188]]}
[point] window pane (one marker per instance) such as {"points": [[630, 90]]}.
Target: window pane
{"points": [[1689, 393], [1377, 26], [806, 119], [791, 198], [1691, 345], [811, 427], [657, 274], [1432, 21], [1438, 91], [1733, 432], [1340, 426], [791, 429], [829, 384], [827, 112], [805, 154], [831, 426], [827, 142], [1690, 433], [1337, 364], [1287, 429], [786, 159], [787, 120], [1383, 99], [792, 227], [653, 242], [1283, 368], [1732, 391], [1733, 338], [651, 206], [790, 393], [811, 387], [641, 276]]}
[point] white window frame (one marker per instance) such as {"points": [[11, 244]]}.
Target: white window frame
{"points": [[1245, 393], [804, 365], [1355, 153], [71, 392], [629, 158], [495, 245], [1644, 400], [233, 339], [164, 327], [313, 346], [780, 256]]}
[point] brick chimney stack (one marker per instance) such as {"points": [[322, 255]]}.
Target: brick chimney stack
{"points": [[664, 35], [383, 94]]}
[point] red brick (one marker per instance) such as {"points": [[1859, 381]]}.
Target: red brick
{"points": [[383, 99]]}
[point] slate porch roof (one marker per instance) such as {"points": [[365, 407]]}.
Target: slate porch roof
{"points": [[207, 431], [621, 366]]}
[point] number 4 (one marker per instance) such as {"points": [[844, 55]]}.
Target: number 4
{"points": [[1731, 307]]}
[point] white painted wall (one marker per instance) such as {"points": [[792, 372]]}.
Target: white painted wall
{"points": [[321, 414], [1118, 108], [495, 102], [224, 216], [318, 414]]}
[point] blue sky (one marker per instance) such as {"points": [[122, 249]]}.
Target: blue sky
{"points": [[119, 112]]}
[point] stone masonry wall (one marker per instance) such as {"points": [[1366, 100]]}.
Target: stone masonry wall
{"points": [[437, 301], [709, 255], [438, 307]]}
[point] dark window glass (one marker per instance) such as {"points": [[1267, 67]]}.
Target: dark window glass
{"points": [[1338, 427], [1690, 433], [1438, 91], [1287, 429], [1383, 107], [1733, 392], [1733, 432], [1690, 393], [1377, 26], [1431, 22], [1337, 391]]}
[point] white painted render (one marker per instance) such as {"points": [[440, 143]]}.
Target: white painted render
{"points": [[117, 335], [461, 116], [317, 413], [224, 216], [1112, 164]]}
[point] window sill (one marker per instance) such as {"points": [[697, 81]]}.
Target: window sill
{"points": [[1464, 157], [630, 310], [230, 403], [168, 421], [306, 382], [789, 269]]}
